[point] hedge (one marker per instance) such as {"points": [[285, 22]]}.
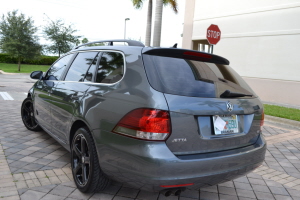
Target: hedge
{"points": [[42, 60]]}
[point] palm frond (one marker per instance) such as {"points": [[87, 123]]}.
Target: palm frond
{"points": [[172, 3], [137, 3]]}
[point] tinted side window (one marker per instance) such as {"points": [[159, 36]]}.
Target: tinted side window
{"points": [[92, 70], [57, 69], [111, 68], [80, 66]]}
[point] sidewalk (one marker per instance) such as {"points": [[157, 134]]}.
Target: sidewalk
{"points": [[34, 166]]}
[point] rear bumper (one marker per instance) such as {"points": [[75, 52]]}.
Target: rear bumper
{"points": [[148, 165]]}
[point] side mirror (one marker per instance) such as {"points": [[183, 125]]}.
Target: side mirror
{"points": [[36, 75]]}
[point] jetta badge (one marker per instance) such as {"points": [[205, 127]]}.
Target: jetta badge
{"points": [[229, 106], [179, 140]]}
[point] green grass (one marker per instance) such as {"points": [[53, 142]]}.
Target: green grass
{"points": [[13, 68], [283, 112]]}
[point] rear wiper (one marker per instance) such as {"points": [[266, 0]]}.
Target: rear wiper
{"points": [[227, 94]]}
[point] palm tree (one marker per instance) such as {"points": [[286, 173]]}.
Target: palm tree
{"points": [[157, 23], [158, 18], [139, 3]]}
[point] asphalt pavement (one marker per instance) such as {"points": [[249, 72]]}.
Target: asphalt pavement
{"points": [[34, 166]]}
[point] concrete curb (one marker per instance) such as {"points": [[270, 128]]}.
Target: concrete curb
{"points": [[281, 104], [279, 120], [2, 72]]}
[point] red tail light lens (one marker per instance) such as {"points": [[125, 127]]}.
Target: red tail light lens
{"points": [[146, 124], [262, 118]]}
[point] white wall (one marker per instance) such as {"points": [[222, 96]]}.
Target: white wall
{"points": [[261, 38], [217, 8]]}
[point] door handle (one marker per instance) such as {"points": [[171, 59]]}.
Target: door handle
{"points": [[76, 97], [49, 92]]}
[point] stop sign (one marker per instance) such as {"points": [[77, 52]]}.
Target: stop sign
{"points": [[213, 34]]}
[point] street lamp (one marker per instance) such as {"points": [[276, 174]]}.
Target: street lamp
{"points": [[125, 28]]}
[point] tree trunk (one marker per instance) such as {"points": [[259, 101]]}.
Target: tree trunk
{"points": [[149, 24], [19, 64], [157, 23]]}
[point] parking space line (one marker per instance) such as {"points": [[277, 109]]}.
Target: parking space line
{"points": [[6, 96]]}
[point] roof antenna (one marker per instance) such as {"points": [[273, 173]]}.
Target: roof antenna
{"points": [[174, 46]]}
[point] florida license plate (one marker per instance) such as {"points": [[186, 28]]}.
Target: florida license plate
{"points": [[225, 124]]}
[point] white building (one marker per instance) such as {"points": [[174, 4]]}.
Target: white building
{"points": [[261, 39]]}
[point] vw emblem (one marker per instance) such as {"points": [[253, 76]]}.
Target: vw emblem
{"points": [[229, 106]]}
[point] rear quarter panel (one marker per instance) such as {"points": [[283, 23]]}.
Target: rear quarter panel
{"points": [[105, 104]]}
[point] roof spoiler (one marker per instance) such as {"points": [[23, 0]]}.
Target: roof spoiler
{"points": [[187, 54]]}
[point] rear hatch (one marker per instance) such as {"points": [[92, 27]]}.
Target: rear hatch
{"points": [[211, 107]]}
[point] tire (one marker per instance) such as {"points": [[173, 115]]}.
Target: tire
{"points": [[27, 114], [86, 170]]}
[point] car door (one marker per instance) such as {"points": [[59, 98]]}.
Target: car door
{"points": [[43, 92], [68, 93], [101, 101]]}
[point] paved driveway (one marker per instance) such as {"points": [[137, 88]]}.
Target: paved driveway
{"points": [[34, 166]]}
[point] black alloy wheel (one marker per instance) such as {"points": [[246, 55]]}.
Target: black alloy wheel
{"points": [[27, 114], [81, 160], [86, 170]]}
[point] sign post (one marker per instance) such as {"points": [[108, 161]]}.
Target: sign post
{"points": [[213, 35]]}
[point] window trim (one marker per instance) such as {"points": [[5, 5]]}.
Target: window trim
{"points": [[96, 69]]}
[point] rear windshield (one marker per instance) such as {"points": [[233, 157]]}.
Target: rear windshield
{"points": [[193, 78]]}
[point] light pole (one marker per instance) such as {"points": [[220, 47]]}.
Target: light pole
{"points": [[125, 28]]}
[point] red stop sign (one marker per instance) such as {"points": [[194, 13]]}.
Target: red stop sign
{"points": [[213, 34]]}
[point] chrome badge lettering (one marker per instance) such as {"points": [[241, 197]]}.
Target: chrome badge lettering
{"points": [[179, 140], [229, 106]]}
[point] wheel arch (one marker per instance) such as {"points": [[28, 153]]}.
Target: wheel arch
{"points": [[76, 125], [30, 93]]}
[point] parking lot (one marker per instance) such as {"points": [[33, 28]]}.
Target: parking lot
{"points": [[34, 166]]}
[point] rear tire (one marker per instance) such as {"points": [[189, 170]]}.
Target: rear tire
{"points": [[27, 114], [86, 170]]}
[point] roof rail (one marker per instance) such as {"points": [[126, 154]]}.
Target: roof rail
{"points": [[111, 43]]}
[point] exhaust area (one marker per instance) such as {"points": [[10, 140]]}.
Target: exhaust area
{"points": [[173, 191]]}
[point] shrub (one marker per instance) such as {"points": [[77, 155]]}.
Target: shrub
{"points": [[5, 58], [42, 60]]}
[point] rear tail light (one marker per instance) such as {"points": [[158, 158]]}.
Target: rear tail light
{"points": [[262, 118], [145, 124]]}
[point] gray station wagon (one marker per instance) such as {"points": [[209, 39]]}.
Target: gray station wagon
{"points": [[157, 119]]}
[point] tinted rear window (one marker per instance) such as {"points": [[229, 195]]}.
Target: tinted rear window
{"points": [[192, 78]]}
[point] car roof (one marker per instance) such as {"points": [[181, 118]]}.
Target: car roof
{"points": [[172, 52]]}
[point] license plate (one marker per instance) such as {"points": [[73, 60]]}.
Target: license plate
{"points": [[225, 124]]}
